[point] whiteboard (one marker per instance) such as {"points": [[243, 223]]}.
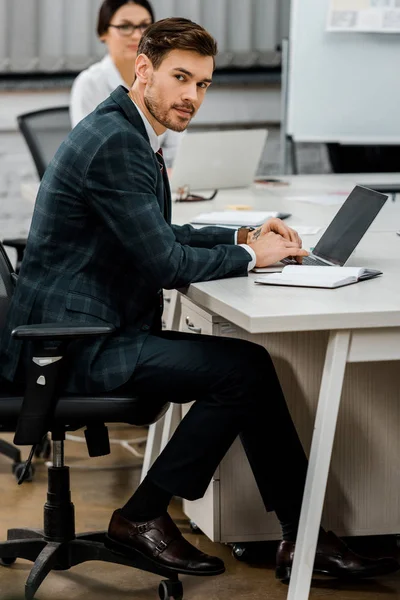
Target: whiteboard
{"points": [[342, 87]]}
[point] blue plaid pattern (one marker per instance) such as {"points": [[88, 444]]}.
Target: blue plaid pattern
{"points": [[101, 248]]}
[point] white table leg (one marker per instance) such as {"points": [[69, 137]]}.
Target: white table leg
{"points": [[318, 468], [153, 445]]}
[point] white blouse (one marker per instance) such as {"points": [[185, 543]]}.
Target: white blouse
{"points": [[95, 84]]}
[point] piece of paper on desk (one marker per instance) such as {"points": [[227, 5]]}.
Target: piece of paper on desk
{"points": [[321, 277], [324, 199], [236, 218]]}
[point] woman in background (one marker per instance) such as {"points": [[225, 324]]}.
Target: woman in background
{"points": [[120, 26]]}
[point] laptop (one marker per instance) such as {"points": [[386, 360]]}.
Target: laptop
{"points": [[212, 160], [346, 230]]}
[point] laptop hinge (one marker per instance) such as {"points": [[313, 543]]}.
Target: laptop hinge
{"points": [[331, 264]]}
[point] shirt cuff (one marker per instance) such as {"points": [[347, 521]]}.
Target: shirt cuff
{"points": [[252, 263]]}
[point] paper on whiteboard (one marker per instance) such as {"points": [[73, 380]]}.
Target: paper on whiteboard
{"points": [[364, 16], [324, 199]]}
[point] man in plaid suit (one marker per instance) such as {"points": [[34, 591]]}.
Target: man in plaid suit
{"points": [[101, 248]]}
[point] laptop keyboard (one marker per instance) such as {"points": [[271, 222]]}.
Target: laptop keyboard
{"points": [[312, 261]]}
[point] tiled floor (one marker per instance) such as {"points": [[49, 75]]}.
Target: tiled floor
{"points": [[100, 485]]}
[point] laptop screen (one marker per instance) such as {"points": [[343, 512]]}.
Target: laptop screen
{"points": [[349, 225]]}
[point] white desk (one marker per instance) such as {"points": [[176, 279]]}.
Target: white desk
{"points": [[362, 321]]}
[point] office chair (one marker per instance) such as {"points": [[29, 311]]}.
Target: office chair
{"points": [[40, 408], [44, 130]]}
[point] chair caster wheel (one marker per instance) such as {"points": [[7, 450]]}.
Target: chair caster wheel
{"points": [[240, 552], [7, 561], [19, 467], [170, 589], [44, 449], [195, 528]]}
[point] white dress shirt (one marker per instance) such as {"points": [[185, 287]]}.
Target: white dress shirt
{"points": [[155, 144], [95, 84]]}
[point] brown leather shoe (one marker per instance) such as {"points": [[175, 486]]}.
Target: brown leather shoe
{"points": [[161, 542], [334, 558]]}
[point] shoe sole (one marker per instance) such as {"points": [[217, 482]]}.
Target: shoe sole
{"points": [[284, 573], [124, 550]]}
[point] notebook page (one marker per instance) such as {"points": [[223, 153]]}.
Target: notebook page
{"points": [[304, 272], [313, 282]]}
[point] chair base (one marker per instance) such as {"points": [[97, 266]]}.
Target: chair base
{"points": [[11, 451], [31, 544], [58, 548]]}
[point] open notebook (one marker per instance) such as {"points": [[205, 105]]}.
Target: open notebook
{"points": [[323, 277]]}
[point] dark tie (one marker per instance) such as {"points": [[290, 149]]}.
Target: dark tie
{"points": [[160, 158], [167, 209]]}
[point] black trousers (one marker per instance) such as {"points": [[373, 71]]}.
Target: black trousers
{"points": [[237, 392]]}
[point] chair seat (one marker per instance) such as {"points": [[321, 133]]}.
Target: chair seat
{"points": [[77, 411]]}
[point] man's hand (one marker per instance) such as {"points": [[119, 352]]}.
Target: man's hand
{"points": [[273, 247], [276, 226]]}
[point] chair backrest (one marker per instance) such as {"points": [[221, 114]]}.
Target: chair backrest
{"points": [[7, 284], [44, 130]]}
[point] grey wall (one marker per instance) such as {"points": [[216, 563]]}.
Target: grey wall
{"points": [[59, 35]]}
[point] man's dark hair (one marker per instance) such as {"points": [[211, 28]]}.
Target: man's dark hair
{"points": [[175, 34], [110, 7]]}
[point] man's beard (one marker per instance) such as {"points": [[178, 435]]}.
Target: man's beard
{"points": [[161, 113]]}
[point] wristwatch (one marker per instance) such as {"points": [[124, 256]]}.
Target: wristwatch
{"points": [[242, 234]]}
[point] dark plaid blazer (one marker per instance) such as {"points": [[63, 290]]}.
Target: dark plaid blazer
{"points": [[101, 248]]}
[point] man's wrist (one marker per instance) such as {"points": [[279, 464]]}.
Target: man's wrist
{"points": [[251, 252], [243, 235]]}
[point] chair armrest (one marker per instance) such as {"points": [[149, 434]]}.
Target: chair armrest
{"points": [[19, 244], [56, 331], [45, 373], [15, 243]]}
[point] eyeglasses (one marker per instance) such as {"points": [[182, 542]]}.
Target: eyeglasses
{"points": [[184, 195], [126, 29]]}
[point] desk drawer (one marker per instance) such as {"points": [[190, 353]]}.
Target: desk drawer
{"points": [[195, 319], [192, 322]]}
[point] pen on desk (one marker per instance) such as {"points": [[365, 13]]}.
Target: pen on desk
{"points": [[398, 232]]}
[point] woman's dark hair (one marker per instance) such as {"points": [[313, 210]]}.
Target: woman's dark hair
{"points": [[175, 34], [110, 7]]}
